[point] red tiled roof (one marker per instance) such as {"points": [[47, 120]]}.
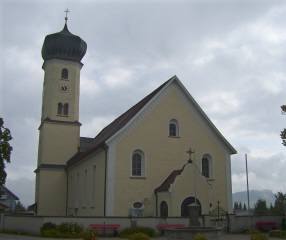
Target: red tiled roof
{"points": [[169, 180]]}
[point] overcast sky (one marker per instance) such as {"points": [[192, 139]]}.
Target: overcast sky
{"points": [[230, 55]]}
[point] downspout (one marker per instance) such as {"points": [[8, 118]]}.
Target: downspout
{"points": [[105, 179], [67, 194], [156, 203]]}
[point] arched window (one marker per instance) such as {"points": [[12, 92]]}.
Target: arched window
{"points": [[84, 189], [71, 192], [186, 203], [66, 109], [93, 190], [173, 128], [207, 166], [63, 109], [60, 108], [163, 209], [65, 73], [77, 191], [138, 164]]}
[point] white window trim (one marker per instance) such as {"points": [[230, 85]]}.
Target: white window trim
{"points": [[176, 122], [211, 165], [143, 164]]}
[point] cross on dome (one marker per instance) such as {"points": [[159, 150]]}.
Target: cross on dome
{"points": [[66, 11]]}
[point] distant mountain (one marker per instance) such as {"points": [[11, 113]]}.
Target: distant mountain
{"points": [[268, 195]]}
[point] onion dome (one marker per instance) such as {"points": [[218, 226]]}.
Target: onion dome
{"points": [[64, 45]]}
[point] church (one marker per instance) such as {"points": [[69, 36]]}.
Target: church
{"points": [[158, 157]]}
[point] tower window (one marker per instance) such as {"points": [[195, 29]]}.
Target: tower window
{"points": [[60, 108], [66, 109], [63, 110], [65, 73]]}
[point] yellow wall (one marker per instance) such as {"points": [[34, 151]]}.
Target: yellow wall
{"points": [[164, 154], [77, 200], [59, 140], [58, 143], [51, 196], [51, 89]]}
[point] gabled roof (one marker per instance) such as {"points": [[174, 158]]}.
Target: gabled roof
{"points": [[169, 180], [3, 206], [84, 143], [7, 190], [114, 127], [119, 123]]}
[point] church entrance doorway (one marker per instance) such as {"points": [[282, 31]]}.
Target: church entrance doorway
{"points": [[186, 203], [163, 209]]}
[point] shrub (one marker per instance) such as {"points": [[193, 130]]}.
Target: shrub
{"points": [[252, 231], [70, 229], [283, 223], [89, 234], [48, 226], [199, 237], [259, 237], [277, 233], [138, 236], [129, 231], [49, 233], [64, 230]]}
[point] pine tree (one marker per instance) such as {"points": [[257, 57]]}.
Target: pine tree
{"points": [[240, 206], [19, 207], [236, 205], [244, 207], [260, 207], [278, 205]]}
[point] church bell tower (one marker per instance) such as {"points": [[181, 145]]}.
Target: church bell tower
{"points": [[59, 137]]}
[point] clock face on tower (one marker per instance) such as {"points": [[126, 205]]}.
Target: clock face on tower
{"points": [[64, 88]]}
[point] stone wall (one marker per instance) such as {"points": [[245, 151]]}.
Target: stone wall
{"points": [[238, 224], [32, 224]]}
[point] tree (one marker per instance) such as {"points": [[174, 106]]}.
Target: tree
{"points": [[283, 133], [260, 207], [19, 207], [278, 205], [244, 207], [235, 205], [5, 150]]}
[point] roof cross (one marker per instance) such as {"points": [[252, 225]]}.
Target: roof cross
{"points": [[66, 11], [190, 152]]}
